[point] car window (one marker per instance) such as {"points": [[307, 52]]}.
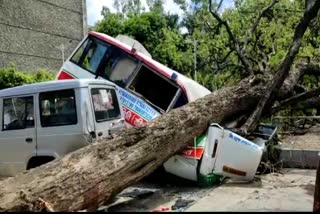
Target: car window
{"points": [[18, 113], [58, 108], [105, 104], [90, 54]]}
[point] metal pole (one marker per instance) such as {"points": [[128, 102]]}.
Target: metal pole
{"points": [[316, 202], [195, 59], [62, 53]]}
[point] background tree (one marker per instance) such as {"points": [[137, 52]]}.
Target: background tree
{"points": [[262, 30]]}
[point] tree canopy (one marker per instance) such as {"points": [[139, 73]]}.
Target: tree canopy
{"points": [[262, 30]]}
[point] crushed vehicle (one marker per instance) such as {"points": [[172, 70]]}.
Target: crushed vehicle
{"points": [[148, 89], [45, 121]]}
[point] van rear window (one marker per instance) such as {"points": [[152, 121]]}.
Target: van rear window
{"points": [[58, 108], [105, 103]]}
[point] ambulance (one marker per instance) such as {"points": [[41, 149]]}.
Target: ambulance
{"points": [[147, 88]]}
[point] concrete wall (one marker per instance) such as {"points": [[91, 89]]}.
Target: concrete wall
{"points": [[32, 32]]}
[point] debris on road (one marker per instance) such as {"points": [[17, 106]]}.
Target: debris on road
{"points": [[161, 209], [181, 204], [137, 193]]}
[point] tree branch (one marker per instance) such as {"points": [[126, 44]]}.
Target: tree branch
{"points": [[256, 23], [226, 57], [219, 5], [289, 85], [311, 69], [234, 41], [295, 99], [309, 14], [307, 104]]}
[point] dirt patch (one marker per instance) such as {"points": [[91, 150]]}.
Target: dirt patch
{"points": [[308, 141]]}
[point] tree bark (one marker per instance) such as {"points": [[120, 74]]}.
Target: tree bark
{"points": [[89, 177]]}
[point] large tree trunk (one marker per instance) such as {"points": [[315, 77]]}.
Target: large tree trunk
{"points": [[92, 175], [89, 177]]}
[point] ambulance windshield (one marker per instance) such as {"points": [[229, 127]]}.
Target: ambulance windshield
{"points": [[110, 62], [105, 60]]}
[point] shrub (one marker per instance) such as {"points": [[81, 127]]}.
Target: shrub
{"points": [[11, 77]]}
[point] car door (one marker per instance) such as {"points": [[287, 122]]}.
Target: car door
{"points": [[59, 129], [18, 134], [106, 108]]}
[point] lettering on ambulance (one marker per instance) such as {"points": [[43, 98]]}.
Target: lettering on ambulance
{"points": [[242, 141], [137, 112], [234, 171], [132, 118]]}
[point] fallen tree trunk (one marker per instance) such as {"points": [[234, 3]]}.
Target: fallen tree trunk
{"points": [[89, 177]]}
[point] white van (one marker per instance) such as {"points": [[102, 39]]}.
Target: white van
{"points": [[44, 121]]}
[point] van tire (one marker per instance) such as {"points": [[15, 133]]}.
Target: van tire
{"points": [[38, 161]]}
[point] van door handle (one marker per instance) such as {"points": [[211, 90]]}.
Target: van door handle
{"points": [[99, 134], [29, 140]]}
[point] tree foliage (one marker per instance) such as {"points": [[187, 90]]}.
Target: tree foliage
{"points": [[170, 38], [11, 77]]}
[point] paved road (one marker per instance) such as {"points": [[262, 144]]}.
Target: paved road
{"points": [[292, 191]]}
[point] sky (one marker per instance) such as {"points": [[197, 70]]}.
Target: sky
{"points": [[94, 8]]}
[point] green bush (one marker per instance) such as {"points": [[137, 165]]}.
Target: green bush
{"points": [[11, 77]]}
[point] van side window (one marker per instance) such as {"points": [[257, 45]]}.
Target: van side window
{"points": [[18, 113], [58, 108], [105, 104]]}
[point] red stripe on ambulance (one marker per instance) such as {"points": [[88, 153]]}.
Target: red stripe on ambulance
{"points": [[193, 152], [132, 118]]}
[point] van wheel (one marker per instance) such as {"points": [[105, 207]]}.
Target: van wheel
{"points": [[38, 161]]}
